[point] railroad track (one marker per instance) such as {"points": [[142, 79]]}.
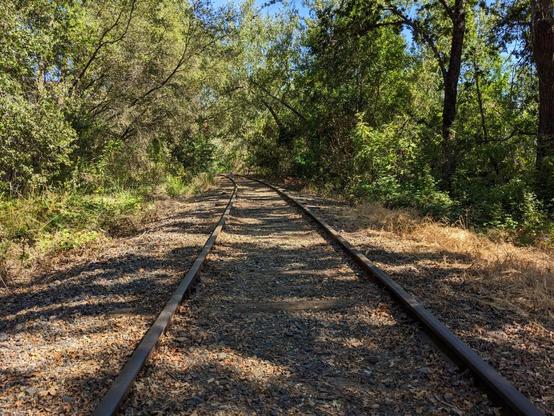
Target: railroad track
{"points": [[113, 399], [272, 251]]}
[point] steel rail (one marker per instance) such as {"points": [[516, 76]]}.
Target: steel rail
{"points": [[500, 389], [113, 399]]}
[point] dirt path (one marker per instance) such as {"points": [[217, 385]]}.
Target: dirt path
{"points": [[282, 324], [63, 338]]}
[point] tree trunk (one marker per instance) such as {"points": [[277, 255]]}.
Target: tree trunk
{"points": [[451, 92], [543, 54]]}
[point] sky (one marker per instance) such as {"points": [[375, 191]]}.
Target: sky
{"points": [[268, 10], [299, 4]]}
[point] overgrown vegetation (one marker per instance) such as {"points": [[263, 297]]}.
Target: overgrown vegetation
{"points": [[50, 222], [434, 105], [444, 106], [177, 186], [100, 104], [38, 225], [516, 275]]}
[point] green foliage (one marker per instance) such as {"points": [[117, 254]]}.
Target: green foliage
{"points": [[97, 96], [111, 93], [196, 155], [371, 117], [57, 221], [35, 144], [390, 168], [175, 185]]}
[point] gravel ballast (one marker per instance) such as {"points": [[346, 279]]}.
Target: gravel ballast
{"points": [[518, 343], [282, 323], [65, 336]]}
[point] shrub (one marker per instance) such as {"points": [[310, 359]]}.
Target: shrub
{"points": [[35, 143], [51, 222], [175, 185]]}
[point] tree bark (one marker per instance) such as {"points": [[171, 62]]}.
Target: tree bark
{"points": [[542, 26], [451, 78]]}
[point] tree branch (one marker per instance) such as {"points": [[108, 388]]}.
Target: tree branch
{"points": [[448, 9], [103, 43], [273, 113], [280, 100], [418, 30]]}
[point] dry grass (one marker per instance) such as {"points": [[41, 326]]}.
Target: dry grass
{"points": [[202, 183], [512, 277], [516, 276]]}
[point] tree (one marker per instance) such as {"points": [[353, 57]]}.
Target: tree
{"points": [[428, 32], [542, 40]]}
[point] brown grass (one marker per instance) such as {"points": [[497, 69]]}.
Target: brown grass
{"points": [[520, 277]]}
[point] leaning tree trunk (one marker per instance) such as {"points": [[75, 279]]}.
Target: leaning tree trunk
{"points": [[451, 78], [543, 54]]}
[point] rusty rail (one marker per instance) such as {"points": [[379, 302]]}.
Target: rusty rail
{"points": [[118, 391], [500, 389]]}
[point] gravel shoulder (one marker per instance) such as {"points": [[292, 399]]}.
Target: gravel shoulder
{"points": [[65, 336], [517, 341], [282, 323]]}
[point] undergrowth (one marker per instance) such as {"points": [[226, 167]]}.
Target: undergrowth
{"points": [[52, 222], [532, 226], [524, 274], [179, 185]]}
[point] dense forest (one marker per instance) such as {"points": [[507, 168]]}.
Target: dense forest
{"points": [[445, 106]]}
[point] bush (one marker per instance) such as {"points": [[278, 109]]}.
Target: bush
{"points": [[175, 185], [52, 222], [35, 143], [178, 185]]}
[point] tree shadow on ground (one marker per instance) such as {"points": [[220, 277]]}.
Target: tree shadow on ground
{"points": [[441, 280], [86, 318], [344, 361], [316, 369]]}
